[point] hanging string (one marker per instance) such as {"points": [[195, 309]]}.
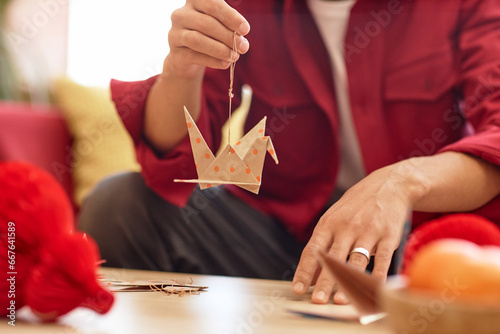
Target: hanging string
{"points": [[234, 54]]}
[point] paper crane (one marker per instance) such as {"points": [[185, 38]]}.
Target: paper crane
{"points": [[240, 164]]}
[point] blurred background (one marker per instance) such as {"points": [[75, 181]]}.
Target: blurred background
{"points": [[90, 41], [56, 60]]}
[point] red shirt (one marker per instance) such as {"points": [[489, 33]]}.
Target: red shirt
{"points": [[424, 77]]}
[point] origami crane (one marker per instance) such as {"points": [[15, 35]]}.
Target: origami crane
{"points": [[240, 164]]}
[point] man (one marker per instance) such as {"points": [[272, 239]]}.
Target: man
{"points": [[407, 119]]}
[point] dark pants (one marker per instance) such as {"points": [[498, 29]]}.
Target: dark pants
{"points": [[215, 233]]}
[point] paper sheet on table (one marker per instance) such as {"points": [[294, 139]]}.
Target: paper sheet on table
{"points": [[330, 311], [334, 312]]}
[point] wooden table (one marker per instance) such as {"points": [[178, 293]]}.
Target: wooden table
{"points": [[229, 306]]}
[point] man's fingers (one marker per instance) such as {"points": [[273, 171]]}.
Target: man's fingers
{"points": [[360, 253], [326, 281], [324, 287], [340, 298], [359, 260], [196, 41], [359, 257], [206, 25], [196, 58], [383, 258], [225, 14], [308, 265], [306, 270], [315, 276]]}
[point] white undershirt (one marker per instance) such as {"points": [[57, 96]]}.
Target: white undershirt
{"points": [[332, 18]]}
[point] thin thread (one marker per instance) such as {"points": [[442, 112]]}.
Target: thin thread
{"points": [[176, 288], [231, 80]]}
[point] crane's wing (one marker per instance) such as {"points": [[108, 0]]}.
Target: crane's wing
{"points": [[202, 154], [246, 144]]}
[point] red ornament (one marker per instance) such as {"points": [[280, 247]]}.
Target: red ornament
{"points": [[465, 226], [44, 263]]}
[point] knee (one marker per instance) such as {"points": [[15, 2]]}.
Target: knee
{"points": [[113, 198]]}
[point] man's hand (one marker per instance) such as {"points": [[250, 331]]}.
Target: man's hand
{"points": [[370, 215], [202, 36]]}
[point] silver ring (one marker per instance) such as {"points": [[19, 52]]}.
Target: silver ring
{"points": [[363, 251]]}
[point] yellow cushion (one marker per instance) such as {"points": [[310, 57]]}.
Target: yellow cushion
{"points": [[101, 144], [237, 122]]}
